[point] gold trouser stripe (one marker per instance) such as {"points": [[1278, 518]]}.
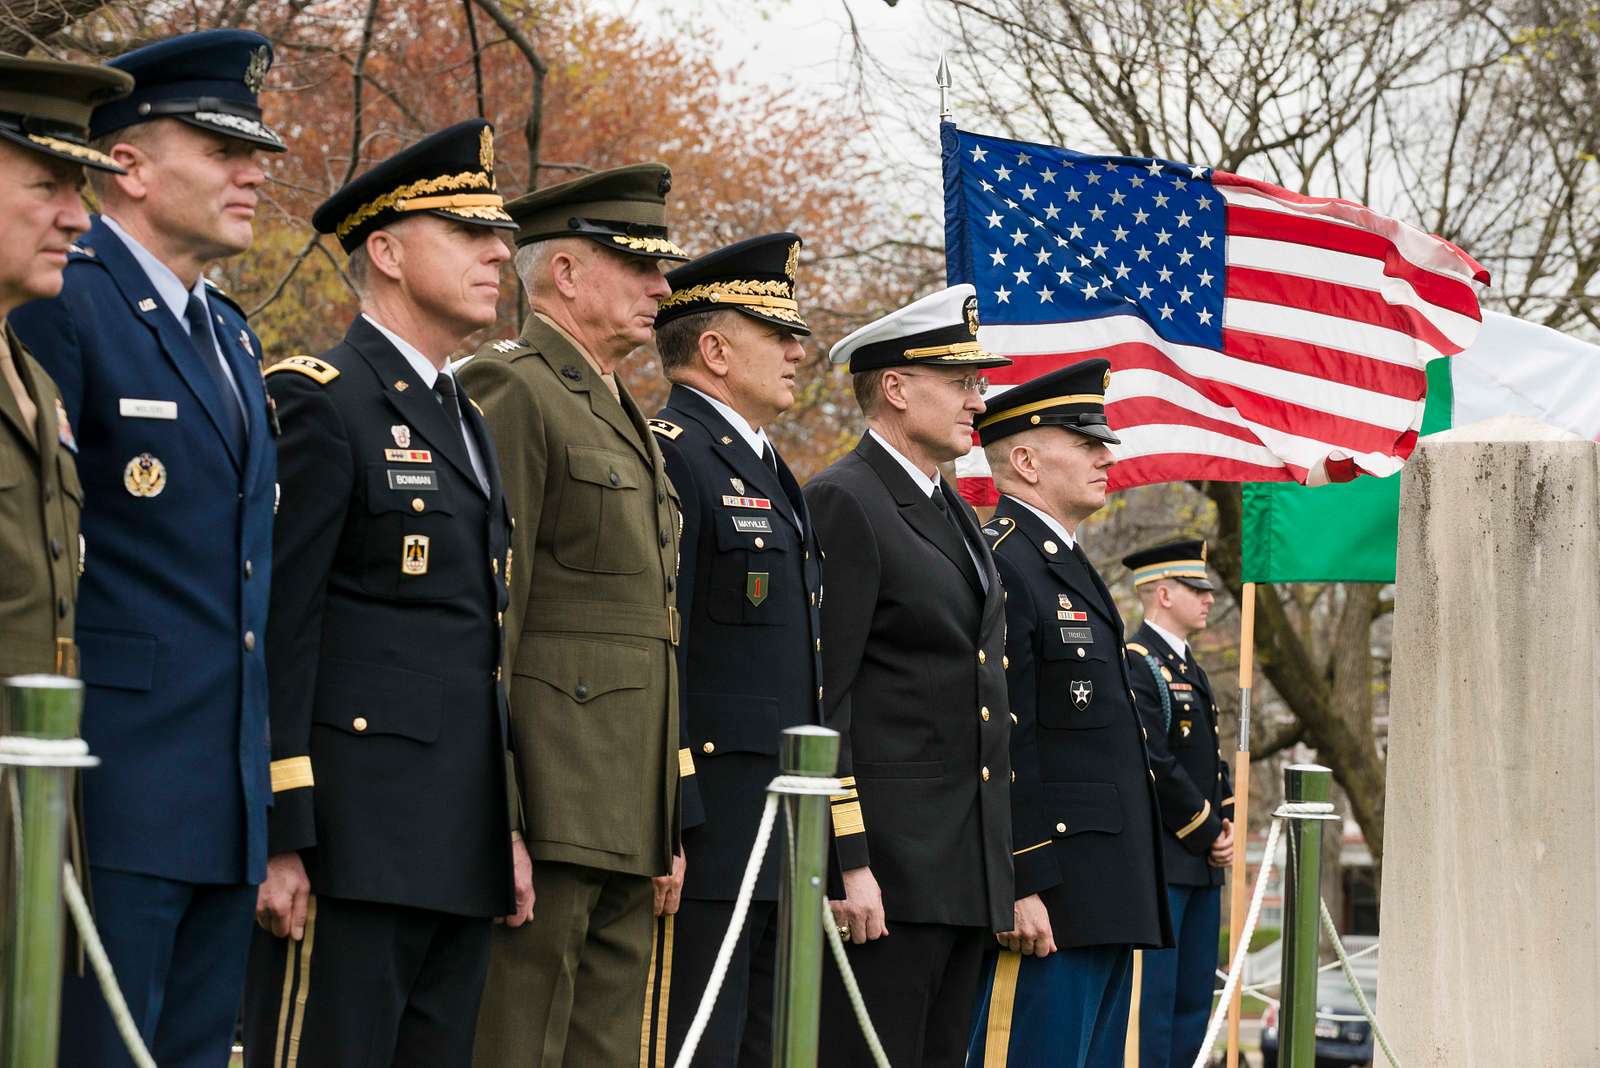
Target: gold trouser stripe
{"points": [[1002, 999], [1199, 818], [296, 977], [1130, 1049], [291, 773], [653, 1029]]}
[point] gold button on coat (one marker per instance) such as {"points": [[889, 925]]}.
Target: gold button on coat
{"points": [[417, 505], [1061, 828], [709, 747], [760, 544], [1080, 650], [985, 774], [983, 657], [984, 712], [359, 723], [249, 641]]}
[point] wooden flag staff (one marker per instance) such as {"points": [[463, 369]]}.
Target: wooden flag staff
{"points": [[1241, 806]]}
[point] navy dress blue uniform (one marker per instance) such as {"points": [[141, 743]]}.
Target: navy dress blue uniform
{"points": [[750, 665], [1196, 793], [177, 459], [389, 737], [1085, 822], [913, 640]]}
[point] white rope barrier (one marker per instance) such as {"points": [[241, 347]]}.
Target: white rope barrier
{"points": [[1349, 976], [851, 989], [1236, 967], [24, 752], [102, 970]]}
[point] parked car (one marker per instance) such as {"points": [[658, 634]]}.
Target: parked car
{"points": [[1341, 1043]]}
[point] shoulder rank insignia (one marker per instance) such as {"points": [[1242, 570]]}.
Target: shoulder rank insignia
{"points": [[998, 530], [1135, 647], [310, 366], [81, 250], [670, 431], [506, 345]]}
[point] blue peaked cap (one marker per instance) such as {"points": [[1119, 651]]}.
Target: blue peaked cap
{"points": [[208, 79]]}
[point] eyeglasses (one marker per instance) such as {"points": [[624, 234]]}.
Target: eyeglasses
{"points": [[978, 384]]}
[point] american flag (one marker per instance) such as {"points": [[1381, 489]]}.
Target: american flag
{"points": [[1254, 334]]}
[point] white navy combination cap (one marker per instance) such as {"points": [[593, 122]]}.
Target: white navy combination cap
{"points": [[940, 329]]}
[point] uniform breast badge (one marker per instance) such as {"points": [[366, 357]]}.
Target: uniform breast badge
{"points": [[145, 476], [756, 586], [402, 435], [414, 557], [64, 427], [1082, 692], [738, 485]]}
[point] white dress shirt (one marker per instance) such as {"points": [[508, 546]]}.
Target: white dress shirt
{"points": [[429, 374], [1050, 521], [930, 486], [1179, 646]]}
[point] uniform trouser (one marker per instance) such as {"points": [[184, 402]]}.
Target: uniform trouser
{"points": [[369, 986], [178, 950], [917, 983], [568, 988], [1067, 1010], [1175, 984], [739, 1032]]}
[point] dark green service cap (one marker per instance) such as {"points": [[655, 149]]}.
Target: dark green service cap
{"points": [[46, 105], [623, 209]]}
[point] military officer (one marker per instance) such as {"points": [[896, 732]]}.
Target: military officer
{"points": [[160, 376], [1090, 886], [1173, 697], [391, 843], [592, 626], [44, 124], [750, 658], [913, 654]]}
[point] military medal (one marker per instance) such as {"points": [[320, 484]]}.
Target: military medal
{"points": [[746, 502], [414, 556], [408, 456], [145, 476], [402, 435], [756, 586]]}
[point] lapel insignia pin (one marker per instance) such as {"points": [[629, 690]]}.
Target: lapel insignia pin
{"points": [[244, 340], [726, 440], [572, 373], [145, 476], [402, 435], [738, 485], [147, 304], [401, 386], [505, 344], [414, 558]]}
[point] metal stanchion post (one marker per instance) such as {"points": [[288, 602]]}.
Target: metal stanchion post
{"points": [[797, 992], [1302, 898]]}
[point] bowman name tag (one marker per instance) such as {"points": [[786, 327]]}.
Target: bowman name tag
{"points": [[413, 480], [134, 408]]}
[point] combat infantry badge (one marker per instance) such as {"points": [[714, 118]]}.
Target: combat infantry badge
{"points": [[145, 476], [414, 557], [1082, 693]]}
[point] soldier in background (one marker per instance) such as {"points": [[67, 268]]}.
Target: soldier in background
{"points": [[1090, 887], [161, 378], [391, 843], [748, 586], [44, 124], [913, 653], [592, 626], [1173, 696]]}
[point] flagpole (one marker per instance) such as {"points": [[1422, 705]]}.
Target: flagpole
{"points": [[943, 80], [1241, 805]]}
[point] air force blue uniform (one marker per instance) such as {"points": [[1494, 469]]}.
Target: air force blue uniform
{"points": [[177, 459]]}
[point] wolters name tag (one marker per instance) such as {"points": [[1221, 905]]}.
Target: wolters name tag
{"points": [[134, 408], [413, 480]]}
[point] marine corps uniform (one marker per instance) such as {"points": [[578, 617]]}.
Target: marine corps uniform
{"points": [[44, 108], [1086, 827], [1196, 793], [913, 649], [162, 384], [388, 711], [751, 660], [592, 630]]}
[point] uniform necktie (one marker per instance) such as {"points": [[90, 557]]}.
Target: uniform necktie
{"points": [[444, 387], [211, 358], [769, 457]]}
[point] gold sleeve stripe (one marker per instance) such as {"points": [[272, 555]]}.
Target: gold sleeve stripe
{"points": [[848, 781], [848, 795], [685, 763], [847, 819], [1030, 849], [1199, 818], [1227, 800], [291, 773]]}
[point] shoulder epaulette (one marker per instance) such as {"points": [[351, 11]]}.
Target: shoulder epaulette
{"points": [[214, 290], [670, 431], [1135, 647], [998, 530], [80, 250], [310, 366]]}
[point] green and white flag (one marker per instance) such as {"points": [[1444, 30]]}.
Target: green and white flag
{"points": [[1347, 532]]}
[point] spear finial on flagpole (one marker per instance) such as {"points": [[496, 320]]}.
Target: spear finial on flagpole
{"points": [[943, 78]]}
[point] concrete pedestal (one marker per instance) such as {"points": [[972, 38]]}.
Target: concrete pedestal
{"points": [[1490, 922]]}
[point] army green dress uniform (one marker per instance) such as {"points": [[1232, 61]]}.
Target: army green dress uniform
{"points": [[385, 655], [592, 630], [1174, 699], [44, 107], [749, 588]]}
